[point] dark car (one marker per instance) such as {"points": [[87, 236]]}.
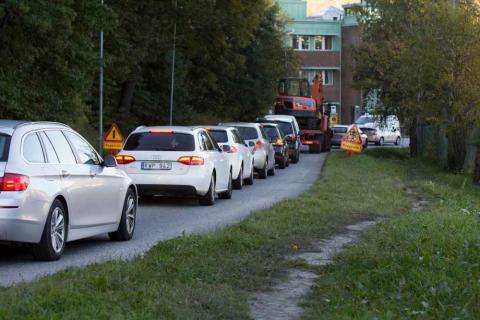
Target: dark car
{"points": [[289, 126], [280, 144]]}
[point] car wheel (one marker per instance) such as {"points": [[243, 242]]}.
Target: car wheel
{"points": [[238, 183], [282, 164], [264, 171], [398, 141], [249, 180], [209, 198], [54, 236], [127, 222], [271, 172], [227, 194]]}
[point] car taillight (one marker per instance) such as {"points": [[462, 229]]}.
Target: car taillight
{"points": [[125, 159], [279, 141], [232, 150], [14, 182], [191, 161], [258, 145]]}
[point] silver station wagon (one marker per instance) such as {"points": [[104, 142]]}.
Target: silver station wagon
{"points": [[55, 188]]}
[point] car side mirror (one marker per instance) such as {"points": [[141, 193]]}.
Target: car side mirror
{"points": [[245, 144], [226, 148], [300, 133], [220, 149], [251, 144], [109, 161], [288, 138], [394, 129]]}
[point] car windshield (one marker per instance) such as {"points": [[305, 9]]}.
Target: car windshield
{"points": [[286, 127], [152, 141], [364, 120], [219, 135], [248, 133], [272, 132], [4, 146], [340, 130]]}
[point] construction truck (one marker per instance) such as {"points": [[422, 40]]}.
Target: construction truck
{"points": [[295, 98]]}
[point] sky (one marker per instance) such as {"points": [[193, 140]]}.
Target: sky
{"points": [[317, 5]]}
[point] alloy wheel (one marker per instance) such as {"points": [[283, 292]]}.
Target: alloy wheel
{"points": [[130, 214], [57, 230]]}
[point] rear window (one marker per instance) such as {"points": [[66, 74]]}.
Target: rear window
{"points": [[219, 135], [4, 147], [271, 132], [147, 141], [248, 133], [340, 130], [286, 127]]}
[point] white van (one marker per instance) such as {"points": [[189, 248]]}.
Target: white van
{"points": [[379, 131]]}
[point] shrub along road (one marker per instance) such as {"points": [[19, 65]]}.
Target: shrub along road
{"points": [[165, 219]]}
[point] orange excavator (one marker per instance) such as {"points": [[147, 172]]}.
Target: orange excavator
{"points": [[294, 98]]}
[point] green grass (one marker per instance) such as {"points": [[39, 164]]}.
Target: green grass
{"points": [[418, 265], [210, 276]]}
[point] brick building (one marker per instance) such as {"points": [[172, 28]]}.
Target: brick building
{"points": [[324, 43]]}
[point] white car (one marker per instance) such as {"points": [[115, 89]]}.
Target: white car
{"points": [[380, 132], [177, 161], [55, 188], [241, 158], [258, 142]]}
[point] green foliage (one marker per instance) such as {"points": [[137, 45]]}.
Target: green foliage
{"points": [[229, 57], [423, 56]]}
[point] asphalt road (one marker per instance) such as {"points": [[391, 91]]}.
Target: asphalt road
{"points": [[163, 219]]}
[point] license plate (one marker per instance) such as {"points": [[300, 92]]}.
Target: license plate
{"points": [[162, 165]]}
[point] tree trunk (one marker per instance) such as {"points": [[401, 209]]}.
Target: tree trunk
{"points": [[414, 138], [476, 170], [127, 94]]}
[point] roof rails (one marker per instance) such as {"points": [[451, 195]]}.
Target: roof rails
{"points": [[40, 122]]}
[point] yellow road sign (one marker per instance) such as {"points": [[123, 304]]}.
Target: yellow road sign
{"points": [[113, 139], [352, 142]]}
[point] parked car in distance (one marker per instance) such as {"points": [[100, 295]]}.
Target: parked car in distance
{"points": [[241, 158], [259, 144], [55, 188], [177, 161], [280, 145], [293, 134], [385, 131], [340, 131]]}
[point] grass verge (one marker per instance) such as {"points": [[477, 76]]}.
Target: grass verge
{"points": [[209, 276], [419, 265]]}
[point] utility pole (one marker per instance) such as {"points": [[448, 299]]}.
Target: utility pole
{"points": [[172, 82], [100, 100]]}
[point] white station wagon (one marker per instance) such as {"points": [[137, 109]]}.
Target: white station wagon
{"points": [[177, 161], [55, 188]]}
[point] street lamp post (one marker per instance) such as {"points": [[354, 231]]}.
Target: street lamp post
{"points": [[100, 102], [172, 81]]}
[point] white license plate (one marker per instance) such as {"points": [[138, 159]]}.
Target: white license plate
{"points": [[161, 165]]}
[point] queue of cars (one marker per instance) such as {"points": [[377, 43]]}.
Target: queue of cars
{"points": [[55, 188]]}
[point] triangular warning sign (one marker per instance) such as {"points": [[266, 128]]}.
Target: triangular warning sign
{"points": [[352, 142], [113, 134]]}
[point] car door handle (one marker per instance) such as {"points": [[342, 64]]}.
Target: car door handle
{"points": [[65, 173], [93, 174]]}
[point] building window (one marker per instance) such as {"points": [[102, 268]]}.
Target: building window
{"points": [[328, 43], [319, 42], [327, 76], [301, 42], [323, 43]]}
